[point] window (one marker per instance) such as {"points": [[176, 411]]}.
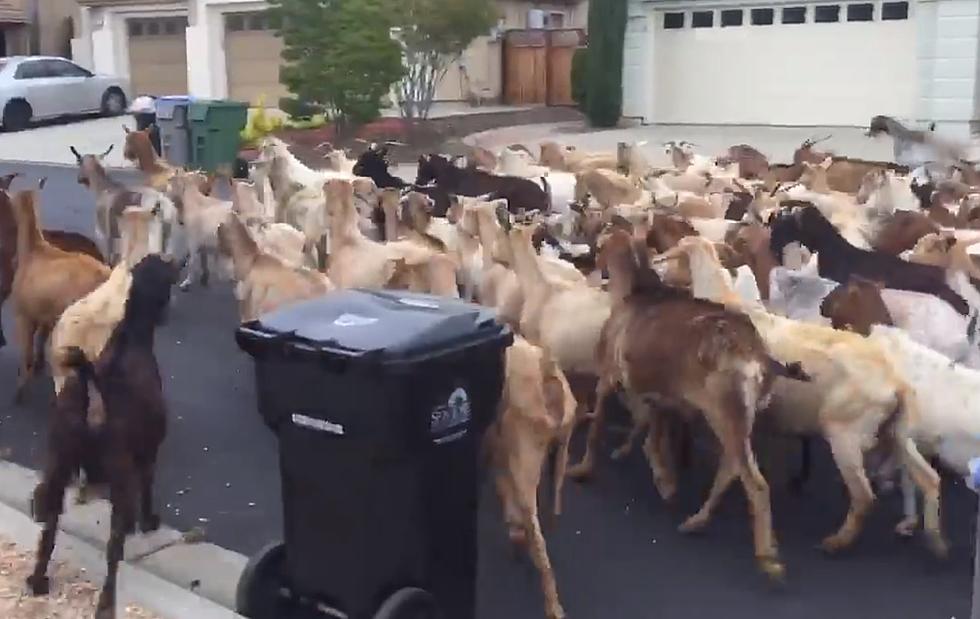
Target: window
{"points": [[731, 17], [860, 12], [135, 28], [794, 15], [673, 21], [827, 14], [170, 27], [235, 22], [894, 10], [762, 17], [702, 19], [31, 70], [554, 19], [63, 68]]}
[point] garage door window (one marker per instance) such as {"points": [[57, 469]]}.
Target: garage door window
{"points": [[166, 26], [673, 21], [731, 17], [894, 10], [827, 14], [860, 12], [248, 22], [762, 17], [794, 15], [702, 19]]}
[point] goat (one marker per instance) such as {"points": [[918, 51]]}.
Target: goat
{"points": [[201, 217], [265, 282], [537, 414], [607, 187], [281, 240], [46, 282], [915, 148], [569, 159], [111, 199], [520, 193], [122, 450], [67, 241], [139, 149], [839, 259], [855, 394], [667, 351]]}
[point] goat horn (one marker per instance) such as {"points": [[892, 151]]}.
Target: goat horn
{"points": [[107, 151], [75, 152], [42, 182]]}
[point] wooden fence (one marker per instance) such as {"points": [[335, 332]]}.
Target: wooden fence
{"points": [[538, 66]]}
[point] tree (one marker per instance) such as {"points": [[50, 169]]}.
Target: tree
{"points": [[604, 64], [339, 54], [433, 34]]}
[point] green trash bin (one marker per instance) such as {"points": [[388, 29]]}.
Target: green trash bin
{"points": [[216, 132]]}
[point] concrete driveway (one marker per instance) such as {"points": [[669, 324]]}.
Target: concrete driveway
{"points": [[49, 143], [778, 143]]}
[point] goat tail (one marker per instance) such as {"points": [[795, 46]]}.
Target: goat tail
{"points": [[792, 371], [74, 358]]}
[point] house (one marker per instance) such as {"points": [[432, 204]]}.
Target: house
{"points": [[236, 54], [36, 27], [803, 62]]}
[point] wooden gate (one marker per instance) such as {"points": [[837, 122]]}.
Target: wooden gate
{"points": [[538, 66]]}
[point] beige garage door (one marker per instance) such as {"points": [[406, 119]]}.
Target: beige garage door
{"points": [[158, 55], [253, 56]]}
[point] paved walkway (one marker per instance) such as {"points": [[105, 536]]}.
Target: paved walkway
{"points": [[50, 143]]}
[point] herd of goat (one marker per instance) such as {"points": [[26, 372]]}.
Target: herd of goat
{"points": [[828, 297]]}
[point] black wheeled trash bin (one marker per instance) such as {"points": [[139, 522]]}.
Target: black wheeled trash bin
{"points": [[379, 400]]}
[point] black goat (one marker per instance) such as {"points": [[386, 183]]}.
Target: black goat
{"points": [[520, 193], [374, 164], [839, 260], [121, 450]]}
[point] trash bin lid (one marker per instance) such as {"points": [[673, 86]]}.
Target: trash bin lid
{"points": [[374, 326], [165, 106]]}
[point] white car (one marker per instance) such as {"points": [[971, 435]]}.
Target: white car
{"points": [[43, 87]]}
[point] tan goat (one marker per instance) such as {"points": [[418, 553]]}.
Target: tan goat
{"points": [[46, 282], [537, 414], [264, 281]]}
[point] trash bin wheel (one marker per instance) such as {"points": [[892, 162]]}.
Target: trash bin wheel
{"points": [[409, 603], [259, 589]]}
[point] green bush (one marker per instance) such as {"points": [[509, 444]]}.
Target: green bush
{"points": [[297, 108], [579, 79], [604, 67]]}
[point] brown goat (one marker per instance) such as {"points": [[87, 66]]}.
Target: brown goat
{"points": [[122, 451], [68, 241], [667, 351], [139, 149], [902, 231], [856, 306], [47, 281]]}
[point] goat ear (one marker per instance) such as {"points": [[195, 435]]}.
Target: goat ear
{"points": [[7, 179], [127, 129], [42, 182]]}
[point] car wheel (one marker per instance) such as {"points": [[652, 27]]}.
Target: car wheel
{"points": [[113, 102], [17, 116]]}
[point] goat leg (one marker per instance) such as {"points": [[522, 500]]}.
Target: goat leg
{"points": [[584, 469], [46, 504], [205, 266], [798, 481], [122, 523], [636, 431], [657, 448], [849, 459], [149, 519], [26, 331]]}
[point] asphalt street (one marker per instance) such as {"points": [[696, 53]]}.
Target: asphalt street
{"points": [[616, 550]]}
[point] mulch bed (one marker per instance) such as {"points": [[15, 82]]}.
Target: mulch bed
{"points": [[437, 135]]}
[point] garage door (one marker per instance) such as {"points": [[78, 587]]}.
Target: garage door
{"points": [[804, 64], [253, 56], [158, 55]]}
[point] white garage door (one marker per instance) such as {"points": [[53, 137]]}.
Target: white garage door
{"points": [[805, 64], [253, 53], [158, 55]]}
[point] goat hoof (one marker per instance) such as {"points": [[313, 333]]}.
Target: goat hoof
{"points": [[556, 612], [184, 286], [580, 472], [938, 545], [906, 528], [694, 524], [105, 612], [149, 524], [833, 544], [773, 568], [39, 585]]}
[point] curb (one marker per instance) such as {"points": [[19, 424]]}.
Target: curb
{"points": [[166, 571]]}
